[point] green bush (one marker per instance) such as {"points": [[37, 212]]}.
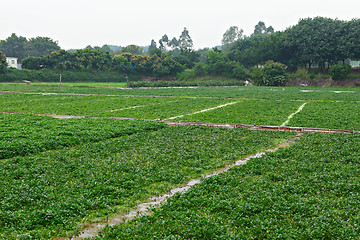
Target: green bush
{"points": [[256, 75], [240, 72], [188, 74], [3, 64], [301, 73], [338, 72], [199, 69], [272, 74]]}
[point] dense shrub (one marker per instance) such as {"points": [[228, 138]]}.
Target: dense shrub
{"points": [[338, 72], [272, 74], [3, 64], [256, 75], [199, 69], [240, 72], [188, 74]]}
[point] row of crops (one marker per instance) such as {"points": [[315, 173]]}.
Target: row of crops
{"points": [[23, 135], [249, 92], [58, 175], [308, 191], [51, 193], [318, 114]]}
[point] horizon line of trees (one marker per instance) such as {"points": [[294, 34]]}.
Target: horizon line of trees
{"points": [[318, 41], [21, 47]]}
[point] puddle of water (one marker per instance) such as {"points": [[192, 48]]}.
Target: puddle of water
{"points": [[343, 91], [145, 208], [328, 91]]}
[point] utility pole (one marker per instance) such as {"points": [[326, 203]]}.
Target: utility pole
{"points": [[60, 81]]}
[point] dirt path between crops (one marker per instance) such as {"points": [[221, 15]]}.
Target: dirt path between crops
{"points": [[142, 209]]}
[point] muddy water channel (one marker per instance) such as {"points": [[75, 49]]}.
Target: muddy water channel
{"points": [[93, 229]]}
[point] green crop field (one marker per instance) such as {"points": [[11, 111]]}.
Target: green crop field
{"points": [[308, 191], [53, 192], [62, 172], [249, 92]]}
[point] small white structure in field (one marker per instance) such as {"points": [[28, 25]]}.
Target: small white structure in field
{"points": [[13, 62]]}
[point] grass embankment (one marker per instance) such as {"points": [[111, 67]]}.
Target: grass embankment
{"points": [[308, 191]]}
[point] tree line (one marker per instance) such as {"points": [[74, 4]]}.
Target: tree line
{"points": [[318, 41], [313, 42], [21, 47]]}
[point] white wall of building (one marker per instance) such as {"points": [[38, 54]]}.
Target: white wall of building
{"points": [[12, 62]]}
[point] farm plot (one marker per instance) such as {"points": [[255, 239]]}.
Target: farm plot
{"points": [[21, 135], [53, 193], [334, 115], [254, 92], [248, 92], [308, 191], [170, 108], [69, 105], [104, 106], [260, 112]]}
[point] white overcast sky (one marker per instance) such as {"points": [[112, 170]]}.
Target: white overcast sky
{"points": [[78, 23]]}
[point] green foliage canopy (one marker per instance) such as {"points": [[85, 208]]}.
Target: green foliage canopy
{"points": [[3, 64]]}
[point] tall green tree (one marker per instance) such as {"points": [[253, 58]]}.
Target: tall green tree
{"points": [[187, 58], [41, 46], [246, 50], [261, 28], [316, 41], [163, 42], [3, 64], [174, 44], [351, 39], [185, 42], [152, 47], [107, 49], [133, 49], [15, 46], [231, 35]]}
